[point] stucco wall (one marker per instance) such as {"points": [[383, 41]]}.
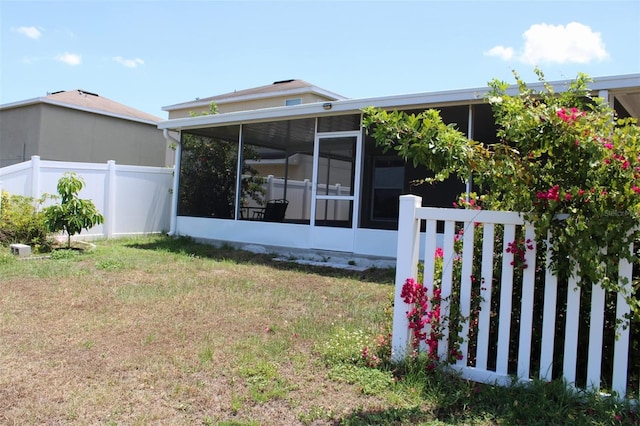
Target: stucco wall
{"points": [[73, 135], [19, 134]]}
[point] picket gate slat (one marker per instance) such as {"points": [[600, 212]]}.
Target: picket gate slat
{"points": [[621, 345], [465, 287], [506, 292], [526, 307], [484, 317], [571, 331], [429, 258], [447, 275], [548, 338], [596, 327]]}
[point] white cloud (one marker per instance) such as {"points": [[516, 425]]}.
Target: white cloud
{"points": [[31, 32], [504, 53], [129, 63], [543, 43], [69, 58], [574, 43]]}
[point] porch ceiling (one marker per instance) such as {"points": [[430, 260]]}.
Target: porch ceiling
{"points": [[630, 102], [284, 135]]}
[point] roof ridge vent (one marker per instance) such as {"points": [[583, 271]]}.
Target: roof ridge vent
{"points": [[284, 81], [84, 92]]}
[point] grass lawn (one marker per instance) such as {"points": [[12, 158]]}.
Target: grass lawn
{"points": [[156, 330]]}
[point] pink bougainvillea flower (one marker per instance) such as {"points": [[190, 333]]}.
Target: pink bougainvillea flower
{"points": [[439, 253]]}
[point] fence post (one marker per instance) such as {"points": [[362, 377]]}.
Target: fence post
{"points": [[336, 206], [270, 188], [406, 267], [35, 177], [110, 210], [306, 199]]}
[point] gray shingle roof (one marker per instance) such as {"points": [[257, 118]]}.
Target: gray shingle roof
{"points": [[92, 101], [278, 88]]}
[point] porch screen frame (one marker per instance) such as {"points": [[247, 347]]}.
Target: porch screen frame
{"points": [[355, 197]]}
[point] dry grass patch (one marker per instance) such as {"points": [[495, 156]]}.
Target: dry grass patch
{"points": [[151, 331]]}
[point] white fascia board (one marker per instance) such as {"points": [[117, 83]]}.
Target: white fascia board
{"points": [[193, 104], [347, 106], [616, 83], [249, 116], [19, 104], [36, 101], [327, 93]]}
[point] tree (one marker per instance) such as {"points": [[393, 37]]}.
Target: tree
{"points": [[73, 214], [559, 156]]}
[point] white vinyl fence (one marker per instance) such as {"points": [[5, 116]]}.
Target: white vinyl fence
{"points": [[545, 341], [133, 199], [298, 193]]}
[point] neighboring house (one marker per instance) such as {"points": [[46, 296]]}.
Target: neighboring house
{"points": [[80, 126], [280, 93], [341, 189]]}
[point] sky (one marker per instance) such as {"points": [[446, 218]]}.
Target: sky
{"points": [[150, 54]]}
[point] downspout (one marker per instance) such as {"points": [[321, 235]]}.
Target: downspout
{"points": [[176, 181]]}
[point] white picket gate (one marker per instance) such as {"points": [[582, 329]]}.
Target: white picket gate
{"points": [[408, 256]]}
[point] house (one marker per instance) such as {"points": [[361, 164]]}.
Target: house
{"points": [[80, 126], [340, 191], [281, 93]]}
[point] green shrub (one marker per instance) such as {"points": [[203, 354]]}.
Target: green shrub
{"points": [[21, 221]]}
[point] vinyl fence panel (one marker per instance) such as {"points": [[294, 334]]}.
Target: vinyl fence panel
{"points": [[133, 199]]}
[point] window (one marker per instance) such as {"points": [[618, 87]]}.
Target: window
{"points": [[292, 102], [388, 185]]}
